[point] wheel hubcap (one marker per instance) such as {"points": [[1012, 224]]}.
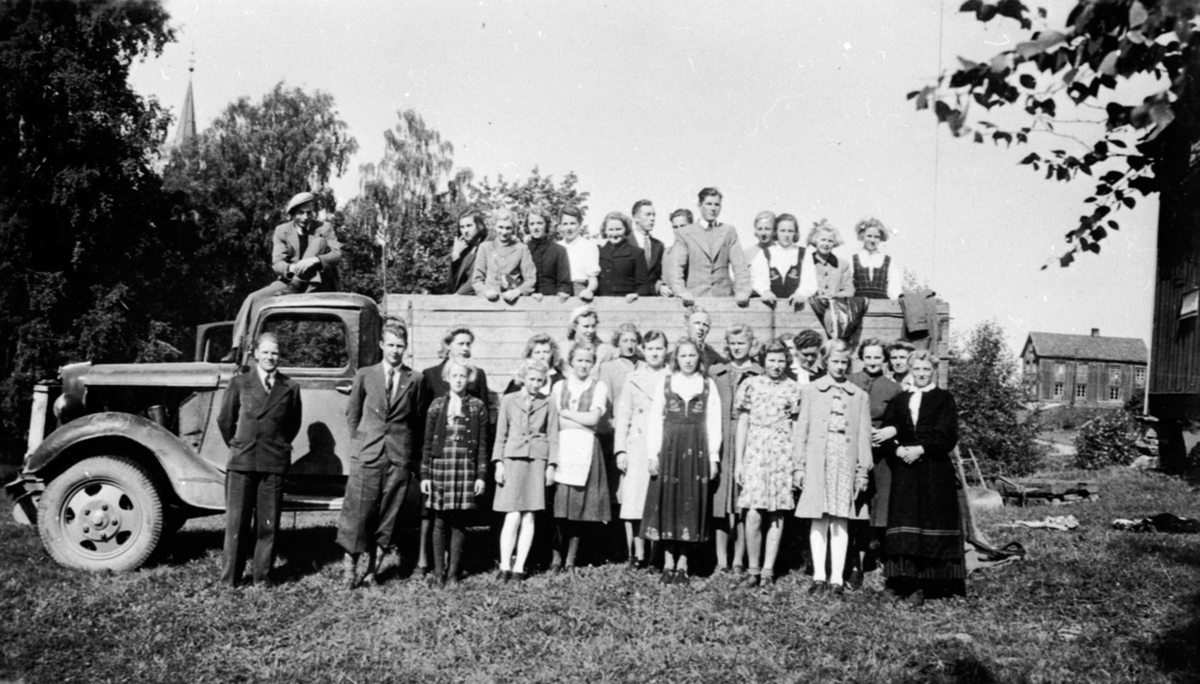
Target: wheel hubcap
{"points": [[100, 520]]}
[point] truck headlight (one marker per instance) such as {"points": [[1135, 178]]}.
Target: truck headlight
{"points": [[60, 406], [66, 408]]}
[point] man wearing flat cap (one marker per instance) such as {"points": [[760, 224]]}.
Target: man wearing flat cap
{"points": [[305, 253]]}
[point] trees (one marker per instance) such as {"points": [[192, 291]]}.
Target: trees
{"points": [[535, 190], [78, 198], [983, 378], [400, 227], [1120, 68], [229, 187]]}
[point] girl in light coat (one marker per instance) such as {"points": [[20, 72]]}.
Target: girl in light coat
{"points": [[631, 423], [831, 461]]}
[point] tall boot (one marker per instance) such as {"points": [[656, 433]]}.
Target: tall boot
{"points": [[370, 578]]}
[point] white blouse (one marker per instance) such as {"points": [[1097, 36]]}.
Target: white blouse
{"points": [[760, 270], [584, 258], [687, 388]]}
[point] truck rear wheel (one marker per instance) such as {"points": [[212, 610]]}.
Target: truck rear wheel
{"points": [[103, 513]]}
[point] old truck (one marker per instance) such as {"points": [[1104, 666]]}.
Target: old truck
{"points": [[120, 456]]}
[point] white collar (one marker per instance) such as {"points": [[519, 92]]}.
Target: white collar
{"points": [[574, 384], [263, 375], [871, 260]]}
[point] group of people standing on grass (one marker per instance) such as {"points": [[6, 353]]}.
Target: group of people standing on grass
{"points": [[683, 444], [545, 254]]}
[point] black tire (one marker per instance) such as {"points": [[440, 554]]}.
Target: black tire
{"points": [[103, 513]]}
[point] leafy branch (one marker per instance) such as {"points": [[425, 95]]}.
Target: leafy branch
{"points": [[1106, 44]]}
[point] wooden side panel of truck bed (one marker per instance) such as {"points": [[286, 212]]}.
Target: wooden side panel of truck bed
{"points": [[501, 330]]}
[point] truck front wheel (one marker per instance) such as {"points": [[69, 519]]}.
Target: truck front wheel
{"points": [[103, 513]]}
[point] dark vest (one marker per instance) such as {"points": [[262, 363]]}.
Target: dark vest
{"points": [[866, 285], [783, 286]]}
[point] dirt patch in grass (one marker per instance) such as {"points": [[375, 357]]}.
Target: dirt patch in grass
{"points": [[1094, 604]]}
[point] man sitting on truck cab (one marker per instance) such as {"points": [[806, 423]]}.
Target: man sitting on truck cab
{"points": [[305, 254]]}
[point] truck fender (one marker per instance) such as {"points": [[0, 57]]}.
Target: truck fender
{"points": [[194, 480]]}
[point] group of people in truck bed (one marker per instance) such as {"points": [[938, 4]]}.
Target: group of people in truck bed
{"points": [[683, 443], [541, 254]]}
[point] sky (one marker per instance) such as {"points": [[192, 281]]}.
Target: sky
{"points": [[795, 107]]}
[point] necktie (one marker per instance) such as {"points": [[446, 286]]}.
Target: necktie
{"points": [[269, 381], [391, 383]]}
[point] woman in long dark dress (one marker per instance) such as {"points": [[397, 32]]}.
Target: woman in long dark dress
{"points": [[684, 455], [923, 545], [866, 535]]}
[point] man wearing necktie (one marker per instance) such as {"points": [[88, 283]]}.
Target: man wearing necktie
{"points": [[384, 418], [643, 223], [259, 417], [705, 254], [305, 254]]}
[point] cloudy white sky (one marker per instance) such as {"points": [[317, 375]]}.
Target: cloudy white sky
{"points": [[788, 106]]}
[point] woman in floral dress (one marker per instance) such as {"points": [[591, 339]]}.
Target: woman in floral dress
{"points": [[767, 407]]}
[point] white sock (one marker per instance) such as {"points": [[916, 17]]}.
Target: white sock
{"points": [[818, 538], [839, 541]]}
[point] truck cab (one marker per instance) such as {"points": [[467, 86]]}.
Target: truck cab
{"points": [[121, 455]]}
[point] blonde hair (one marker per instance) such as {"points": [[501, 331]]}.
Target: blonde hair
{"points": [[824, 226], [922, 355], [451, 364], [835, 346], [740, 329], [766, 216], [863, 225]]}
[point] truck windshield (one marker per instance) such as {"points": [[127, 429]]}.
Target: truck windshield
{"points": [[309, 340]]}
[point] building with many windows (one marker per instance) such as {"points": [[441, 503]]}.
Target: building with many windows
{"points": [[1085, 369]]}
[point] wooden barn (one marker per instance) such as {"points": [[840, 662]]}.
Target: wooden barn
{"points": [[1173, 396], [1085, 370], [1175, 347]]}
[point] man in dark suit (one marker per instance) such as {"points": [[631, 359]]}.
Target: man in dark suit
{"points": [[385, 421], [305, 254], [259, 418], [652, 248]]}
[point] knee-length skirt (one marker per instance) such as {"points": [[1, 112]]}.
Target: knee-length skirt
{"points": [[590, 503], [524, 487]]}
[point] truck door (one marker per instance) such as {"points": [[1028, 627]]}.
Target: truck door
{"points": [[318, 349]]}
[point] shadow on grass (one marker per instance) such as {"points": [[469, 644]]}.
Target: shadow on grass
{"points": [[1175, 651], [951, 662], [300, 551]]}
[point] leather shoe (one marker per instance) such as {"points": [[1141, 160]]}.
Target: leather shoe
{"points": [[504, 576], [750, 582], [838, 591], [855, 581], [818, 587]]}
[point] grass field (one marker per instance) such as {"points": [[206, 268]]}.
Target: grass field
{"points": [[1090, 605]]}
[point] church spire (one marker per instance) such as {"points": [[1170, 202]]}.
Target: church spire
{"points": [[187, 118]]}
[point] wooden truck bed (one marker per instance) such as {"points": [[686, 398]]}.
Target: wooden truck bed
{"points": [[501, 330]]}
